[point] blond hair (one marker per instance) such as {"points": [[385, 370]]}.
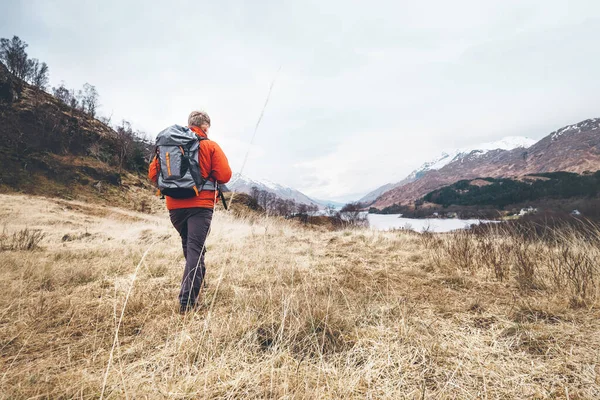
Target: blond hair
{"points": [[197, 118]]}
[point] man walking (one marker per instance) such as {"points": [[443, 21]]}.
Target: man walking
{"points": [[192, 216]]}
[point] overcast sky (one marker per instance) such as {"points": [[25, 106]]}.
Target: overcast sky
{"points": [[367, 91]]}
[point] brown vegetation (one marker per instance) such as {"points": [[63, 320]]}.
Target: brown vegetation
{"points": [[54, 146], [289, 312], [561, 259]]}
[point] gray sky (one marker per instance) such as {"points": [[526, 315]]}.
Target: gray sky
{"points": [[367, 91]]}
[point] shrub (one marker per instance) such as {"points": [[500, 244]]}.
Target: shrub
{"points": [[494, 254], [461, 249], [24, 239]]}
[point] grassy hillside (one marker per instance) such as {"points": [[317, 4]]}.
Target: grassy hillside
{"points": [[288, 312]]}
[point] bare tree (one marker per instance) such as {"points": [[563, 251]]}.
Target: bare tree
{"points": [[125, 141], [90, 99], [37, 73], [274, 205], [14, 56], [85, 100], [75, 100], [353, 214], [271, 201], [330, 210], [62, 93], [291, 207], [302, 208]]}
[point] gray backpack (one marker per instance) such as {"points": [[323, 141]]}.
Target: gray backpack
{"points": [[177, 149]]}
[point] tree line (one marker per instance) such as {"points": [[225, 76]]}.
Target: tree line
{"points": [[274, 205], [13, 55], [502, 192], [15, 58], [351, 214]]}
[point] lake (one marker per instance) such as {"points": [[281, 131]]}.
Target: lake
{"points": [[393, 221]]}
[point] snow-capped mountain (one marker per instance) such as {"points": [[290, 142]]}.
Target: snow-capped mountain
{"points": [[573, 148], [588, 124], [243, 184], [506, 143], [373, 195]]}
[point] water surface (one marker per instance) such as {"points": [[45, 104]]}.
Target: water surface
{"points": [[394, 221]]}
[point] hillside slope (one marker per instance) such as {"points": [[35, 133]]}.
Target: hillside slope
{"points": [[574, 148], [243, 184], [456, 155], [50, 149]]}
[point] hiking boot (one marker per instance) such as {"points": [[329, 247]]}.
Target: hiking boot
{"points": [[185, 308]]}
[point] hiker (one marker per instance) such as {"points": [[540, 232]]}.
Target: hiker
{"points": [[190, 185]]}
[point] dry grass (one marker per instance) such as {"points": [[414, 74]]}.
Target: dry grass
{"points": [[563, 260], [288, 313]]}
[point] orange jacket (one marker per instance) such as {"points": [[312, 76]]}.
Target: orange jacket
{"points": [[211, 159]]}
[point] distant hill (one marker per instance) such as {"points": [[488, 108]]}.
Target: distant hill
{"points": [[243, 184], [49, 148], [573, 148], [507, 143], [326, 203]]}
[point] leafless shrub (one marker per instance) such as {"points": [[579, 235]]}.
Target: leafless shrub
{"points": [[429, 239], [438, 257], [353, 215], [527, 256], [557, 259], [461, 249], [494, 254], [24, 239], [579, 270]]}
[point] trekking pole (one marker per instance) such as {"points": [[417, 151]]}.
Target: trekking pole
{"points": [[222, 197]]}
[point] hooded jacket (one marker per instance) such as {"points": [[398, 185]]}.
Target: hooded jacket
{"points": [[212, 162]]}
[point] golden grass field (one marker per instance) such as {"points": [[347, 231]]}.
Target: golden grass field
{"points": [[289, 312]]}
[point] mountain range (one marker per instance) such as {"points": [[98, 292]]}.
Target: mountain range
{"points": [[243, 184], [573, 148], [507, 143]]}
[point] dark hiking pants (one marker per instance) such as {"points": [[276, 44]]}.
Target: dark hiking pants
{"points": [[193, 225]]}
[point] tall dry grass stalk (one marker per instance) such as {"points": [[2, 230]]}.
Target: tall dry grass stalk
{"points": [[288, 312], [553, 260]]}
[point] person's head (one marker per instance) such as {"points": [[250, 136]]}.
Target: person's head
{"points": [[199, 119]]}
